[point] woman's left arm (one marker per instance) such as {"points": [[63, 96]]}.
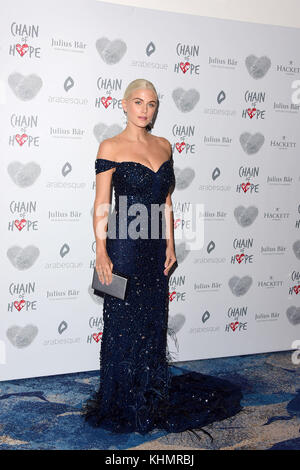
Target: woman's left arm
{"points": [[170, 250]]}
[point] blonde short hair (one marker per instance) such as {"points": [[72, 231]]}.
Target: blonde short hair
{"points": [[138, 83]]}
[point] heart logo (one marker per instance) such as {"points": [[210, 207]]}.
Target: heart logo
{"points": [[25, 88], [251, 143], [240, 285], [257, 66], [251, 112], [20, 224], [102, 131], [245, 216], [185, 100], [293, 314], [180, 146], [184, 66], [19, 305], [21, 139], [245, 187], [23, 175], [106, 101], [297, 289], [97, 337], [296, 248], [176, 223], [23, 258], [234, 326], [176, 322], [172, 295], [111, 52], [239, 258], [21, 337], [184, 177], [22, 49]]}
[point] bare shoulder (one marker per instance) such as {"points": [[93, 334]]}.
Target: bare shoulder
{"points": [[166, 144], [107, 149]]}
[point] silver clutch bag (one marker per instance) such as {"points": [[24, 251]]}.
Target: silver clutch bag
{"points": [[117, 287]]}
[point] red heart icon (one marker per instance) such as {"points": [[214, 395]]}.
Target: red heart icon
{"points": [[180, 146], [239, 257], [19, 305], [251, 112], [106, 101], [184, 66], [233, 326], [21, 139], [22, 49], [20, 224], [245, 186], [172, 295], [176, 223], [297, 289], [97, 336]]}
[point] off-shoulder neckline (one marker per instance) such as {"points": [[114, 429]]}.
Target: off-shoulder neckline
{"points": [[136, 163]]}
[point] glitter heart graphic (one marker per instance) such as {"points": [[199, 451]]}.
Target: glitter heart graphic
{"points": [[257, 66], [180, 146], [296, 248], [184, 177], [293, 315], [25, 88], [176, 322], [245, 216], [102, 131], [23, 175], [240, 257], [240, 285], [21, 139], [111, 52], [251, 143], [234, 326], [19, 305], [23, 258], [181, 252], [97, 337], [185, 100], [20, 224], [22, 49], [245, 187], [184, 66], [21, 337]]}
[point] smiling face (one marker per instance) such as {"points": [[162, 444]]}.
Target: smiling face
{"points": [[140, 106]]}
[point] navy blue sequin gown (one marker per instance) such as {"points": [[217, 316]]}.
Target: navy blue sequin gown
{"points": [[137, 391]]}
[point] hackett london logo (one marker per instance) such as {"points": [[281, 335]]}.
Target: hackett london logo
{"points": [[22, 210], [288, 69], [187, 65], [283, 143]]}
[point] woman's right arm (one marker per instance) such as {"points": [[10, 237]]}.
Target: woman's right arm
{"points": [[102, 203]]}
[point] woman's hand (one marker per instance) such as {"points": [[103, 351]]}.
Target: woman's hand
{"points": [[104, 267], [170, 259]]}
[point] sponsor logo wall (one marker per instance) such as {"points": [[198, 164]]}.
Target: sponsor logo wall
{"points": [[230, 106]]}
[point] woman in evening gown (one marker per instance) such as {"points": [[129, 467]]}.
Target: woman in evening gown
{"points": [[137, 390]]}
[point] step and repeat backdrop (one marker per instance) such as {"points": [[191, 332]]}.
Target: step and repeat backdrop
{"points": [[229, 97]]}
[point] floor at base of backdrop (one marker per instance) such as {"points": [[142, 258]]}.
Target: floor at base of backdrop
{"points": [[44, 412]]}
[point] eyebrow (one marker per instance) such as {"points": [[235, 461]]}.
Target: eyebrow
{"points": [[137, 98]]}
